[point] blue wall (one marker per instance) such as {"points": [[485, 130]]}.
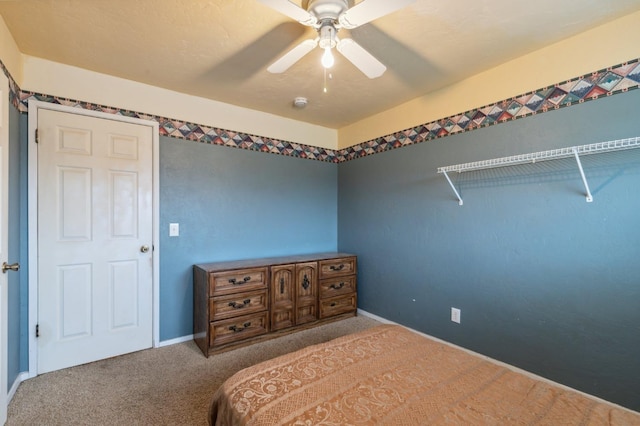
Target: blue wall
{"points": [[14, 323], [235, 204], [230, 204], [545, 280]]}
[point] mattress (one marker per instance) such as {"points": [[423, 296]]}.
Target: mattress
{"points": [[391, 376]]}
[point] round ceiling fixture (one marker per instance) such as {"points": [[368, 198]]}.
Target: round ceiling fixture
{"points": [[300, 102]]}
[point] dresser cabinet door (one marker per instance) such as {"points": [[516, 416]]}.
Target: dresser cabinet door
{"points": [[282, 296], [306, 292]]}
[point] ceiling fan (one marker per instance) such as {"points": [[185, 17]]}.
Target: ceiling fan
{"points": [[328, 17]]}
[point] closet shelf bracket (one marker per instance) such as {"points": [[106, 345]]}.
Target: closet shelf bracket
{"points": [[460, 202], [553, 154], [584, 178]]}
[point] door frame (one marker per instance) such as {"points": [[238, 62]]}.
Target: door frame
{"points": [[34, 107], [4, 289]]}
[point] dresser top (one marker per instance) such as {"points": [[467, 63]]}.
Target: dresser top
{"points": [[267, 261]]}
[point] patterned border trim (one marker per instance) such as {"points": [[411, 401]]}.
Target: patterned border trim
{"points": [[607, 82], [14, 90], [603, 83], [197, 132]]}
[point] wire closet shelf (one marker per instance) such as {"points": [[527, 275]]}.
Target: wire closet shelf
{"points": [[553, 154]]}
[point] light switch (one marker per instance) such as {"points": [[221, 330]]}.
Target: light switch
{"points": [[174, 229]]}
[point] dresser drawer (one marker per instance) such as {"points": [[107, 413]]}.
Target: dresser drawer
{"points": [[238, 328], [233, 305], [237, 281], [337, 267], [338, 305], [337, 286]]}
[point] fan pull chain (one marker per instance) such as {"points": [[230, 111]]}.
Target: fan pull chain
{"points": [[325, 89]]}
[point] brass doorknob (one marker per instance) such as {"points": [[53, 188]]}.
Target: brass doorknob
{"points": [[13, 267], [144, 249]]}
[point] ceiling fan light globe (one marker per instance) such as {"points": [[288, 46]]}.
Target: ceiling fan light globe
{"points": [[327, 58]]}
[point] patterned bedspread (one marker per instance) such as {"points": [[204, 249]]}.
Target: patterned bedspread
{"points": [[391, 376]]}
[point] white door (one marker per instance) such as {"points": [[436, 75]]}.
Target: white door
{"points": [[4, 241], [95, 210]]}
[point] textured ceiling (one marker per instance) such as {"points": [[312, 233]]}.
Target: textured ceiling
{"points": [[220, 49]]}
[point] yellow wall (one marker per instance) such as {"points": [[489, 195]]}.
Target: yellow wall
{"points": [[602, 47], [51, 78], [9, 53]]}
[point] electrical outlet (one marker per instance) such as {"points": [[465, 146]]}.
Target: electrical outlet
{"points": [[455, 315]]}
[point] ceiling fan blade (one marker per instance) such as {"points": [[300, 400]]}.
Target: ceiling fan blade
{"points": [[363, 60], [291, 10], [368, 10], [292, 56]]}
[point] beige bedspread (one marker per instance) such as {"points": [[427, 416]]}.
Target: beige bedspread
{"points": [[391, 376]]}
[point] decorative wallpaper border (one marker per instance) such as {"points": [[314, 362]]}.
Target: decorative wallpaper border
{"points": [[14, 90], [198, 132], [606, 82]]}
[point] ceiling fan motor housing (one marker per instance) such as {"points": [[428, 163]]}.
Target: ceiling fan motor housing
{"points": [[325, 10]]}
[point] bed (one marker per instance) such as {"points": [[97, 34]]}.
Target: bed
{"points": [[389, 375]]}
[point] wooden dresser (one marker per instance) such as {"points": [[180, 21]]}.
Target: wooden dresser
{"points": [[240, 302]]}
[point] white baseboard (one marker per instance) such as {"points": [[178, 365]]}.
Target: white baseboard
{"points": [[495, 361], [377, 318], [175, 341], [21, 378]]}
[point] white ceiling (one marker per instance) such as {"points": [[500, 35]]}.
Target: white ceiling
{"points": [[220, 49]]}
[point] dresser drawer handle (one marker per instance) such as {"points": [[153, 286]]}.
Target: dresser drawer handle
{"points": [[236, 329], [236, 282], [305, 282], [237, 305], [337, 286], [337, 268]]}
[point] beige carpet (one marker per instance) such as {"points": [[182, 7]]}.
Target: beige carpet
{"points": [[165, 386]]}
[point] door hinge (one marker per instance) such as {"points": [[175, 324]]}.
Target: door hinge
{"points": [[37, 137], [37, 330]]}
